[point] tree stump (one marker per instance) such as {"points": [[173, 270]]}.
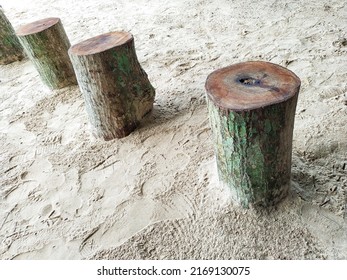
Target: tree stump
{"points": [[10, 48], [251, 110], [47, 44], [116, 89]]}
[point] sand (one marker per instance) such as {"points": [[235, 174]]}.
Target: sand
{"points": [[155, 194]]}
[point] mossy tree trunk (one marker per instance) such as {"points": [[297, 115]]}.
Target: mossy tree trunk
{"points": [[116, 89], [252, 109], [10, 48], [47, 44]]}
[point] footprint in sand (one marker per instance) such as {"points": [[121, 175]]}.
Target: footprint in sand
{"points": [[163, 179], [38, 173], [172, 162], [204, 134], [329, 228], [179, 161], [50, 214], [30, 213], [49, 144], [331, 92], [89, 244], [58, 249], [93, 178], [46, 210], [156, 185]]}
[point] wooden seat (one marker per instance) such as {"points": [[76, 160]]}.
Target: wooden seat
{"points": [[47, 44], [116, 89], [251, 109]]}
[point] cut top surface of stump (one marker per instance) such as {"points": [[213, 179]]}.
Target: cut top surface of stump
{"points": [[36, 26], [101, 43], [251, 85]]}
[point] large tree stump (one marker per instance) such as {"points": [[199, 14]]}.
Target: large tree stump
{"points": [[251, 109], [10, 48], [47, 44], [116, 89]]}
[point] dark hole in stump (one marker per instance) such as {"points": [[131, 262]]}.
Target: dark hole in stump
{"points": [[248, 81]]}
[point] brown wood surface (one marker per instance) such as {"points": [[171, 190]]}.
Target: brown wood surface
{"points": [[250, 85], [36, 26], [101, 43]]}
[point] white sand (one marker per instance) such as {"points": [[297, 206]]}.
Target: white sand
{"points": [[155, 193]]}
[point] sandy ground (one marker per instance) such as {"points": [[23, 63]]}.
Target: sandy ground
{"points": [[155, 193]]}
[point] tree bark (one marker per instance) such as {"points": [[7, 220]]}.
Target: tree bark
{"points": [[116, 89], [10, 48], [252, 109], [47, 44]]}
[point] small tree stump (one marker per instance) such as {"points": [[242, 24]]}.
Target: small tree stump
{"points": [[47, 44], [116, 89], [10, 48], [251, 109]]}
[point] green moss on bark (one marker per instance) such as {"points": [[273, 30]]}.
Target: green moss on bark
{"points": [[48, 50], [253, 151], [116, 89], [10, 47]]}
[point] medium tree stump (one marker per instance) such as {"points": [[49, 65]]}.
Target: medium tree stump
{"points": [[10, 48], [116, 89], [251, 109], [47, 44]]}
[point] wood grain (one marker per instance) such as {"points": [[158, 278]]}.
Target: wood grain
{"points": [[251, 85]]}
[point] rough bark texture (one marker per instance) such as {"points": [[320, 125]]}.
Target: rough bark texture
{"points": [[116, 89], [10, 48], [253, 140], [47, 44]]}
